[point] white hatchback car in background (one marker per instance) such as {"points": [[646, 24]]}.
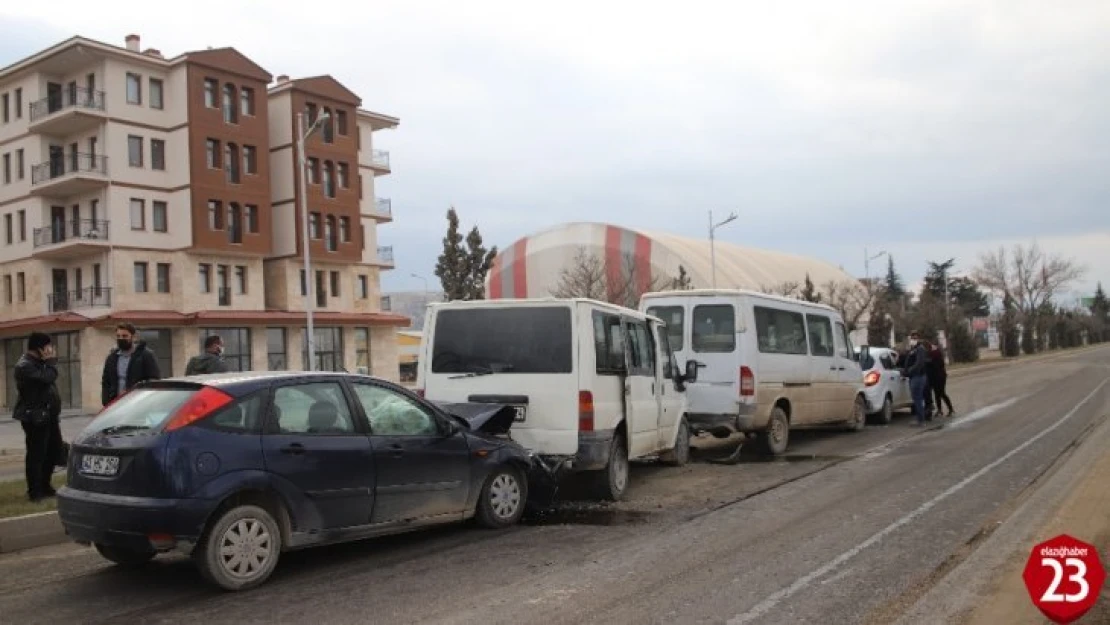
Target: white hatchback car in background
{"points": [[885, 388]]}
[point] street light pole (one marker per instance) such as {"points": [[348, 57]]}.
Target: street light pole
{"points": [[712, 244], [867, 264], [302, 201]]}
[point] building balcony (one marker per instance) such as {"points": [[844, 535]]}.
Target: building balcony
{"points": [[70, 174], [379, 161], [92, 297], [385, 256], [70, 239], [68, 112], [383, 209]]}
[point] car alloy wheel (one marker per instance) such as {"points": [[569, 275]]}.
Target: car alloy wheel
{"points": [[246, 548], [505, 495]]}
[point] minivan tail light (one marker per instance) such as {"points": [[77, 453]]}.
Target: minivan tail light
{"points": [[872, 378], [585, 411], [747, 382], [205, 402]]}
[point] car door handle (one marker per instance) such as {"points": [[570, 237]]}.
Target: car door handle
{"points": [[293, 449], [840, 368], [396, 450]]}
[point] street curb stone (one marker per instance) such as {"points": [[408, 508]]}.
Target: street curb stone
{"points": [[31, 531]]}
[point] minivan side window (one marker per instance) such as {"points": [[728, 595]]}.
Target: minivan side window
{"points": [[674, 317], [671, 365], [608, 343], [319, 408], [713, 329], [780, 331], [821, 342], [641, 350], [844, 344]]}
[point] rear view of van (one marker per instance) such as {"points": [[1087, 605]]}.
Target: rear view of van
{"points": [[766, 364]]}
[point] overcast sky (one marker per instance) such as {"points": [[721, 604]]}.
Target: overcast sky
{"points": [[929, 129]]}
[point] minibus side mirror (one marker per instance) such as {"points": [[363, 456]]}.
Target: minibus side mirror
{"points": [[691, 374]]}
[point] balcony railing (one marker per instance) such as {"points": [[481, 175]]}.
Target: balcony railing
{"points": [[387, 303], [379, 158], [383, 206], [68, 164], [385, 255], [80, 98], [92, 297], [81, 229], [224, 295]]}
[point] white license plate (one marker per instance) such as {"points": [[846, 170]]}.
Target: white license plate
{"points": [[519, 413], [100, 465]]}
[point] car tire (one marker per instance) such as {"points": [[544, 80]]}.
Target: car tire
{"points": [[858, 421], [240, 549], [503, 498], [680, 453], [775, 439], [122, 556], [611, 483], [886, 415]]}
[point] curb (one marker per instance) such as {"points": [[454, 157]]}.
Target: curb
{"points": [[31, 531]]}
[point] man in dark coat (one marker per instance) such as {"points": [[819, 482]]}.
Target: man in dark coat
{"points": [[37, 408], [130, 363], [211, 361], [914, 371], [938, 380]]}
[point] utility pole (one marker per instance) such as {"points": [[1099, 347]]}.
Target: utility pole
{"points": [[712, 245]]}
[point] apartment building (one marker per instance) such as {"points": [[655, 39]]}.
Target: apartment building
{"points": [[165, 192]]}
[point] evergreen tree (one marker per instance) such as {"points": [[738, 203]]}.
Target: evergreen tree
{"points": [[1100, 310], [1007, 328], [683, 282], [893, 286], [451, 267], [479, 262], [879, 324], [809, 292]]}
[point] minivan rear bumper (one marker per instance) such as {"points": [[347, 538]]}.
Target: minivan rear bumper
{"points": [[124, 521], [742, 421], [593, 450]]}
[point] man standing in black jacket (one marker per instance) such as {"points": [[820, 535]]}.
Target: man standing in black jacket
{"points": [[914, 370], [37, 408], [130, 363]]}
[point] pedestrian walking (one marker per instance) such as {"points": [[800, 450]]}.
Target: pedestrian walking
{"points": [[129, 363], [37, 408], [938, 380], [930, 408], [211, 360], [914, 371]]}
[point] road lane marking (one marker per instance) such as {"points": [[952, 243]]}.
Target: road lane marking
{"points": [[981, 413], [802, 582]]}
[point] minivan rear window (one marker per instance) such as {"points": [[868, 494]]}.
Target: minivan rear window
{"points": [[713, 329], [674, 317], [526, 339], [140, 410]]}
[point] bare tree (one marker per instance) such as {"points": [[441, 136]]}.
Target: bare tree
{"points": [[1027, 275], [589, 276], [585, 277], [788, 288], [851, 298]]}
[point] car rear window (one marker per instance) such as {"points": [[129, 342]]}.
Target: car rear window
{"points": [[866, 361], [140, 410], [527, 339], [674, 317], [714, 329]]}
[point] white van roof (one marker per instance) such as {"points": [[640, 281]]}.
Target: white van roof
{"points": [[541, 301], [736, 293]]}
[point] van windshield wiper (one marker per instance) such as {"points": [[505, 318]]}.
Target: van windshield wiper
{"points": [[120, 429], [496, 367]]}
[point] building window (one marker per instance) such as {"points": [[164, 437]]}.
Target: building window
{"points": [[213, 154], [158, 154], [8, 231], [7, 169], [156, 93], [330, 234], [241, 279], [246, 101], [345, 229], [135, 150], [134, 88], [140, 277], [234, 223], [313, 170], [341, 122], [22, 225], [252, 218], [138, 214], [304, 284], [223, 291], [211, 86], [231, 113], [161, 343], [250, 159], [19, 163], [344, 176], [328, 344], [7, 111], [237, 346], [329, 179], [205, 273], [363, 286], [215, 215], [19, 103], [334, 283], [158, 216], [231, 158], [163, 277], [8, 295], [328, 130], [313, 225], [310, 114], [275, 349], [362, 350], [21, 286]]}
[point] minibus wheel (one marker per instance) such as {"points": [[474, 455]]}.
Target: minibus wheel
{"points": [[680, 453], [777, 435], [611, 482]]}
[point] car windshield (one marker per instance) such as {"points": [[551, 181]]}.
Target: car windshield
{"points": [[140, 411], [481, 341]]}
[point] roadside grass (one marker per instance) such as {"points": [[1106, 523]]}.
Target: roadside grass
{"points": [[13, 498]]}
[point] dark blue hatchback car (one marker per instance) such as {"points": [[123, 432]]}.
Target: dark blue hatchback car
{"points": [[236, 468]]}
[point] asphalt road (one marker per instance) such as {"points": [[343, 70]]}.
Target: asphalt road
{"points": [[852, 528]]}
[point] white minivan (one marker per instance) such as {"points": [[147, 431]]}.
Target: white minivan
{"points": [[768, 364], [592, 384]]}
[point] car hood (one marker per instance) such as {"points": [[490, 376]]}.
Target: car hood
{"points": [[482, 417]]}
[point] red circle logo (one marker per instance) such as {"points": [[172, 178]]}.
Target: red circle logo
{"points": [[1064, 577]]}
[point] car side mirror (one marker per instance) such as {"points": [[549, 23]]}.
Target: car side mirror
{"points": [[691, 374]]}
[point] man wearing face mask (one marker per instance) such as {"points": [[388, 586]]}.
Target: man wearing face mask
{"points": [[130, 363], [211, 361], [914, 370]]}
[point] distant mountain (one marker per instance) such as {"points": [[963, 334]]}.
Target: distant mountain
{"points": [[412, 304]]}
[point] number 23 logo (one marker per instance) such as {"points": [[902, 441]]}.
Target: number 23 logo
{"points": [[1052, 594]]}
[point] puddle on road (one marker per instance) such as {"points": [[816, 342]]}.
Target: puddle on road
{"points": [[587, 516]]}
